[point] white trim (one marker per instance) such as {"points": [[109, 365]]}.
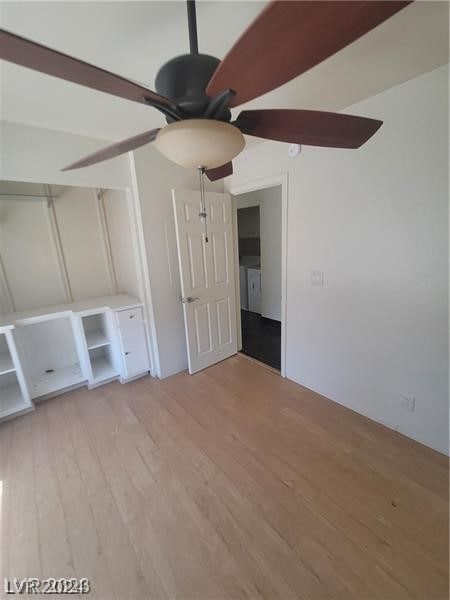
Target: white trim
{"points": [[237, 287], [55, 239], [12, 347], [6, 299], [253, 186], [106, 241], [140, 252]]}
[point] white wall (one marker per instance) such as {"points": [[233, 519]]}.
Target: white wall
{"points": [[37, 155], [76, 243], [156, 176], [28, 255], [84, 243], [269, 202], [375, 220], [120, 234], [271, 253], [248, 221]]}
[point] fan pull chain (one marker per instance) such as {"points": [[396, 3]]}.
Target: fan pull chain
{"points": [[203, 215]]}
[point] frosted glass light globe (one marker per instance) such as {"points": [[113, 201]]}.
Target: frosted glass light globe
{"points": [[200, 142]]}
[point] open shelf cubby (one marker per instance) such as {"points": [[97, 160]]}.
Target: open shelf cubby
{"points": [[11, 398], [96, 331], [58, 379], [51, 356], [6, 363], [102, 364]]}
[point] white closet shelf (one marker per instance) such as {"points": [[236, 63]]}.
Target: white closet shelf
{"points": [[102, 369], [46, 383], [6, 364], [11, 400], [96, 339]]}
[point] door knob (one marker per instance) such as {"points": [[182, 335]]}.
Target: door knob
{"points": [[188, 300]]}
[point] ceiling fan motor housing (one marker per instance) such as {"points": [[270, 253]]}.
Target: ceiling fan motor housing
{"points": [[184, 79]]}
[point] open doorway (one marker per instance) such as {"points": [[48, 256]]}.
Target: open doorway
{"points": [[259, 239]]}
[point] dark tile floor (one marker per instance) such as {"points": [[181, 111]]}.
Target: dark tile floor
{"points": [[261, 338]]}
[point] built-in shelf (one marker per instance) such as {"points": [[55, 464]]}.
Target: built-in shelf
{"points": [[96, 339], [6, 363], [48, 350], [11, 400], [102, 369], [47, 383]]}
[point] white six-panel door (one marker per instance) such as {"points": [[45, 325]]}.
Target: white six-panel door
{"points": [[207, 277]]}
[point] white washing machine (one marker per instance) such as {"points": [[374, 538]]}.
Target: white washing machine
{"points": [[243, 287], [254, 290]]}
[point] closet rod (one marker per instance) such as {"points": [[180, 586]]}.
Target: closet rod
{"points": [[29, 196]]}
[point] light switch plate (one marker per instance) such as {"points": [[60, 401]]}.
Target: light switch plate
{"points": [[317, 277]]}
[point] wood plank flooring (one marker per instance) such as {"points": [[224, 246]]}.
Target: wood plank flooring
{"points": [[230, 484]]}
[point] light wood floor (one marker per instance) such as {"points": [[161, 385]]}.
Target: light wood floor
{"points": [[232, 483]]}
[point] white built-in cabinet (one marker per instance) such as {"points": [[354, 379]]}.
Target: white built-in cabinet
{"points": [[101, 347], [14, 396], [49, 350], [133, 344]]}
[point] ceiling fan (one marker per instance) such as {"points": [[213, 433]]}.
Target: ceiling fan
{"points": [[196, 91]]}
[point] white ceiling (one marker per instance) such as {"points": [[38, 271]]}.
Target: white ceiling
{"points": [[134, 39]]}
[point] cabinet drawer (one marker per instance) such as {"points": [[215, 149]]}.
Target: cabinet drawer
{"points": [[132, 314]]}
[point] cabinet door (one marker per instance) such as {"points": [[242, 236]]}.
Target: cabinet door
{"points": [[254, 290], [133, 341]]}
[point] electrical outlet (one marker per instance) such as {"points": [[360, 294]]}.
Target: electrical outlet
{"points": [[408, 403], [317, 277]]}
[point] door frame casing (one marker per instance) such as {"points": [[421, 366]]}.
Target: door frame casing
{"points": [[253, 186], [143, 272]]}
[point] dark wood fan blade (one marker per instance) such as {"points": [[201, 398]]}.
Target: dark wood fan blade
{"points": [[32, 55], [115, 150], [290, 37], [309, 127], [220, 172]]}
